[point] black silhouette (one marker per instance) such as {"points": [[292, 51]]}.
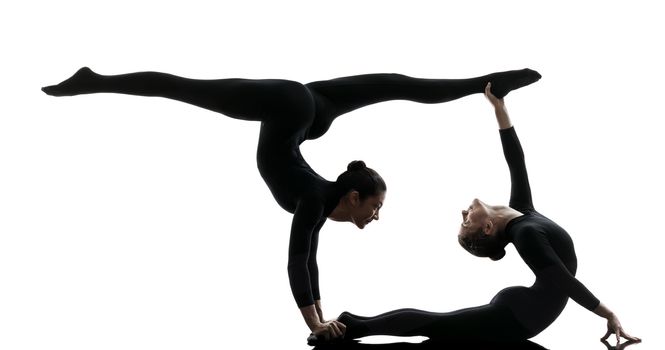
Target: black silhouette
{"points": [[291, 113], [515, 313]]}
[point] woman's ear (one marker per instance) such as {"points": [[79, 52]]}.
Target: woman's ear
{"points": [[489, 228], [354, 198]]}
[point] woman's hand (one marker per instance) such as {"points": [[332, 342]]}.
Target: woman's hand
{"points": [[496, 102], [324, 330], [499, 108], [329, 330], [614, 326]]}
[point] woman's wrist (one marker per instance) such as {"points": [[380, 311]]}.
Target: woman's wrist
{"points": [[311, 317], [603, 311], [319, 311], [313, 324], [502, 117]]}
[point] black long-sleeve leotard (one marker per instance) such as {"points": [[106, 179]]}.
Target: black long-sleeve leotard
{"points": [[515, 313], [544, 246], [291, 113]]}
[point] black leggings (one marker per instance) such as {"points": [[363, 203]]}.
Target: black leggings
{"points": [[491, 322], [284, 103]]}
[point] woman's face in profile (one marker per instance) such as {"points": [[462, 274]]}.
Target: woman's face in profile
{"points": [[368, 210], [473, 217]]}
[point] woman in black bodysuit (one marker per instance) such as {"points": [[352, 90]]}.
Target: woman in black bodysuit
{"points": [[291, 113], [515, 313]]}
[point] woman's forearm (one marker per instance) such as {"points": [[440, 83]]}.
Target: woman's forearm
{"points": [[603, 311], [319, 311], [311, 316], [502, 116]]}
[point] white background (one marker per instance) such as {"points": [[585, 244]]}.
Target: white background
{"points": [[142, 223]]}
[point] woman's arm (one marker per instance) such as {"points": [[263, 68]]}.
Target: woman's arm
{"points": [[307, 220], [537, 252], [520, 190], [313, 268], [499, 109]]}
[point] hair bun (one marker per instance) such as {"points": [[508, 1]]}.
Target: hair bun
{"points": [[356, 165]]}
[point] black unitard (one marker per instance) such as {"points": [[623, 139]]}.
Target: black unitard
{"points": [[291, 113], [515, 313]]}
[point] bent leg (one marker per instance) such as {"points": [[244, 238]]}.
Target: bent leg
{"points": [[237, 98], [483, 323]]}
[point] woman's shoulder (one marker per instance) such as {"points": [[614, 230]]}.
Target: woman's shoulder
{"points": [[310, 203]]}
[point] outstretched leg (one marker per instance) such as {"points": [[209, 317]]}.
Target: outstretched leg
{"points": [[238, 98], [484, 323], [339, 96]]}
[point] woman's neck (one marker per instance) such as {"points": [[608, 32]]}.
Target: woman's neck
{"points": [[502, 214], [336, 197], [340, 213]]}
